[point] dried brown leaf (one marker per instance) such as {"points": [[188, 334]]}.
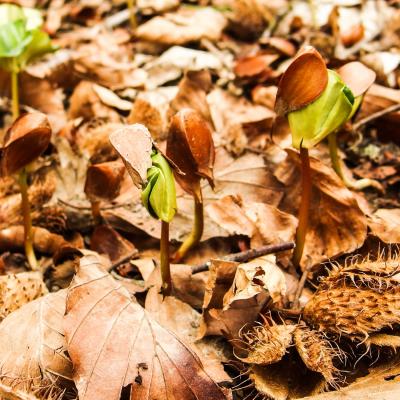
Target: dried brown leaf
{"points": [[102, 323], [32, 346], [357, 77], [133, 143], [385, 223], [19, 289]]}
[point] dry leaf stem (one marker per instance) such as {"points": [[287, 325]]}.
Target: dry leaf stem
{"points": [[197, 230], [304, 210], [164, 259], [337, 165]]}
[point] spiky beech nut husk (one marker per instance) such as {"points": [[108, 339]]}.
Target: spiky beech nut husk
{"points": [[357, 299], [317, 352], [267, 343], [303, 82], [26, 139], [103, 181], [191, 147]]}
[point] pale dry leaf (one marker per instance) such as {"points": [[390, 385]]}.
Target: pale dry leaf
{"points": [[228, 321], [156, 6], [102, 323], [385, 223], [19, 289], [109, 98], [32, 346], [186, 25], [133, 143], [336, 223], [257, 276]]}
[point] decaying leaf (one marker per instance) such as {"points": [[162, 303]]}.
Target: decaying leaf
{"points": [[33, 351], [133, 143], [385, 223], [102, 323], [187, 25], [357, 77], [19, 289]]}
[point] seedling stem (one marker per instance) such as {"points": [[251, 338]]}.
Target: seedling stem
{"points": [[96, 212], [26, 213], [337, 165], [164, 259], [132, 13], [304, 205], [14, 95]]}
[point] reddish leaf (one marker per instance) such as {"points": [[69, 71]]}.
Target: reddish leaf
{"points": [[190, 146], [115, 344], [357, 77], [27, 138], [302, 83]]}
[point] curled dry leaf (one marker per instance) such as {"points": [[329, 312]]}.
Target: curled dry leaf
{"points": [[32, 346], [190, 146], [103, 181], [19, 289], [102, 323], [133, 143], [26, 140], [357, 77], [331, 202], [302, 83], [385, 223], [187, 25]]}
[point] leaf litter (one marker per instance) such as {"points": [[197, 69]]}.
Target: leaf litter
{"points": [[251, 327]]}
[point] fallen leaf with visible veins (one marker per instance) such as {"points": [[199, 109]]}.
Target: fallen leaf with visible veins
{"points": [[115, 345]]}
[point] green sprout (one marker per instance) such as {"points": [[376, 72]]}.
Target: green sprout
{"points": [[159, 198], [328, 106]]}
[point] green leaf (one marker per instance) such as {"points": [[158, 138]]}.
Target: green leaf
{"points": [[159, 196], [325, 115], [10, 13], [13, 39]]}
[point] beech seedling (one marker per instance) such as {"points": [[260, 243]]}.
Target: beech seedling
{"points": [[21, 41], [316, 102], [26, 139], [103, 183], [151, 172], [190, 146]]}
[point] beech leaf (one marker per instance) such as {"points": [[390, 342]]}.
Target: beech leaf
{"points": [[133, 143], [32, 346], [115, 345]]}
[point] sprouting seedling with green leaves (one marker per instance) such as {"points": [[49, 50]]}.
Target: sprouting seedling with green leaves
{"points": [[358, 78], [316, 102], [21, 41], [190, 147], [150, 171]]}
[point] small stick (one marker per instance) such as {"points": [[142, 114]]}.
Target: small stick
{"points": [[300, 286], [247, 255], [124, 259], [378, 114]]}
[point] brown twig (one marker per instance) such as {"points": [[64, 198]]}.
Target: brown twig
{"points": [[376, 115], [124, 259], [300, 286], [247, 255]]}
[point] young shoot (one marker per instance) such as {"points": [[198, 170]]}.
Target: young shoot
{"points": [[317, 102], [358, 78], [159, 197], [150, 172], [190, 146], [132, 13], [24, 142], [103, 183]]}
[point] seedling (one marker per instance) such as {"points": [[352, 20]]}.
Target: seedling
{"points": [[103, 183], [132, 13], [190, 146], [159, 197], [317, 102], [151, 172], [359, 78], [21, 40], [24, 142]]}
